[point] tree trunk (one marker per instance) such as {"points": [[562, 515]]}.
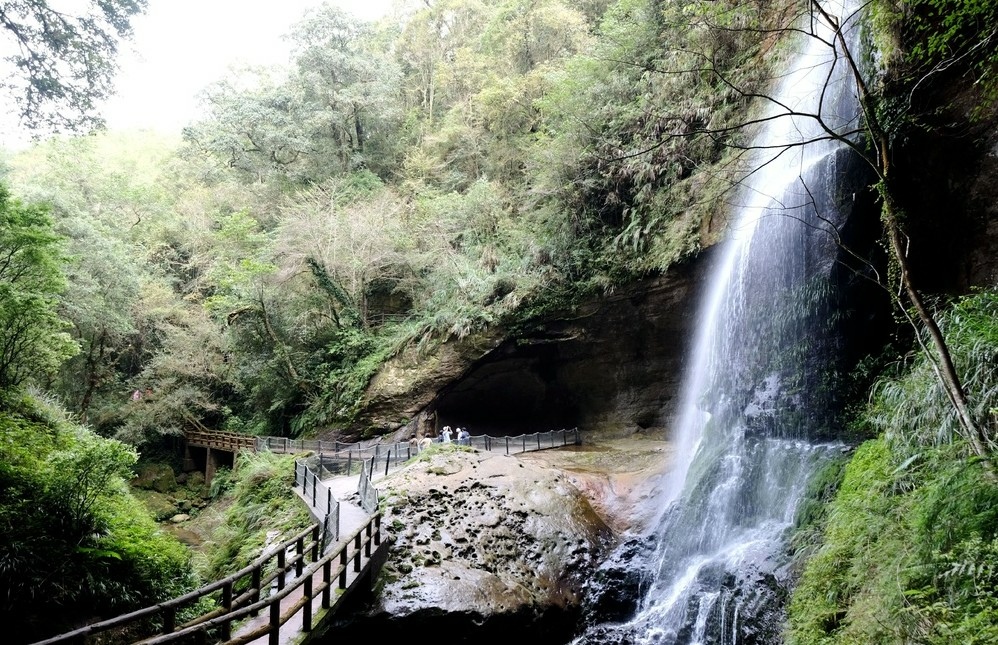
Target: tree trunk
{"points": [[939, 352]]}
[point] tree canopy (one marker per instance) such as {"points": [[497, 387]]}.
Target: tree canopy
{"points": [[33, 340], [63, 61]]}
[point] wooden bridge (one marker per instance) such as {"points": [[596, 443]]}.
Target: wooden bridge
{"points": [[280, 597], [268, 594]]}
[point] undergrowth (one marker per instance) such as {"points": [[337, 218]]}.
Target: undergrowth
{"points": [[910, 543], [264, 509]]}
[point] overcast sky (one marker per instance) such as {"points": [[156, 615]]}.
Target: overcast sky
{"points": [[180, 46]]}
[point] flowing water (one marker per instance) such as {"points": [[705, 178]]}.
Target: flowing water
{"points": [[762, 388]]}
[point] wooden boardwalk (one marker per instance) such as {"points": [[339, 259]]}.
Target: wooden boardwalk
{"points": [[282, 595], [301, 619], [279, 598]]}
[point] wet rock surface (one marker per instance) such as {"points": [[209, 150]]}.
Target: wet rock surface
{"points": [[487, 545], [486, 532], [614, 591]]}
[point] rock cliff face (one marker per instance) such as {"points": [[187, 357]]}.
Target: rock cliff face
{"points": [[614, 366]]}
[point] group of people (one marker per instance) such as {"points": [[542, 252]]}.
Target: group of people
{"points": [[463, 436]]}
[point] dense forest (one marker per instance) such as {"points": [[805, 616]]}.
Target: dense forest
{"points": [[463, 166]]}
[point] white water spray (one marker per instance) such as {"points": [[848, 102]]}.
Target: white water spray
{"points": [[758, 386]]}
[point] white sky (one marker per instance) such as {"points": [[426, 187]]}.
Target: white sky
{"points": [[181, 46]]}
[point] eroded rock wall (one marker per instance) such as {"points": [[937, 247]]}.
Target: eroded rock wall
{"points": [[613, 366]]}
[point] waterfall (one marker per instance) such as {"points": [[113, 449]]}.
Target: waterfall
{"points": [[761, 391]]}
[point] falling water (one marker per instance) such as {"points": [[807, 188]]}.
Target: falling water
{"points": [[761, 389]]}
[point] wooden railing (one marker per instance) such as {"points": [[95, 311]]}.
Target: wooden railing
{"points": [[240, 596], [228, 441]]}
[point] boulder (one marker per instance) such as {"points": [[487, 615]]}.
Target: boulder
{"points": [[482, 538]]}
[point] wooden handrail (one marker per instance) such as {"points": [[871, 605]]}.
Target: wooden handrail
{"points": [[236, 604], [362, 549], [172, 604]]}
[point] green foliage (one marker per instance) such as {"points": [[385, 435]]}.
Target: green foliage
{"points": [[32, 337], [464, 171], [946, 29], [908, 552], [335, 113], [647, 117], [262, 501], [937, 37], [915, 410], [854, 569], [64, 61], [812, 515], [73, 542]]}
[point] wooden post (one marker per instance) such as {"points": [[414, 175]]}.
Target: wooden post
{"points": [[315, 543], [227, 605], [281, 555], [274, 637], [169, 619], [306, 619], [300, 552], [377, 529], [255, 577], [343, 567], [356, 560], [327, 574]]}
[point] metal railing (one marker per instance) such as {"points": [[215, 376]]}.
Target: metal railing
{"points": [[285, 444], [369, 497], [512, 445], [308, 477], [341, 458]]}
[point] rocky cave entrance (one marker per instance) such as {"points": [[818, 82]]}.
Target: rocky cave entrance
{"points": [[516, 392]]}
